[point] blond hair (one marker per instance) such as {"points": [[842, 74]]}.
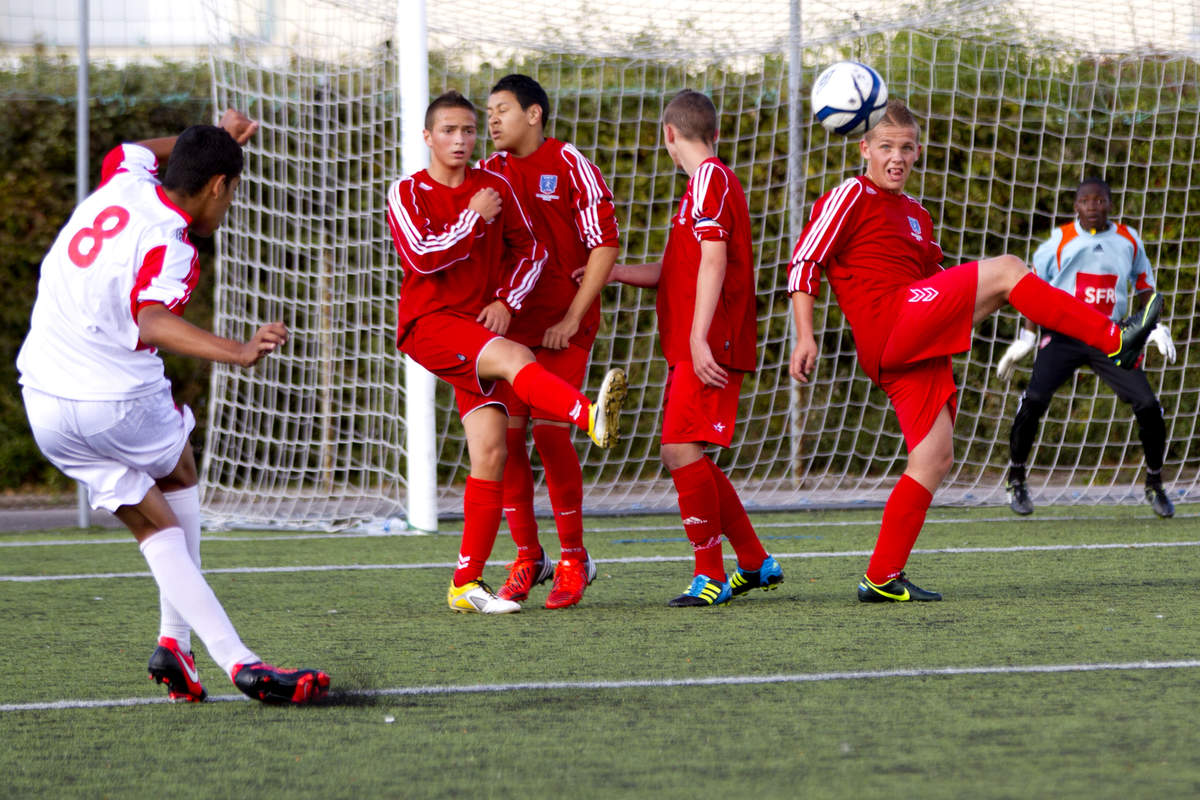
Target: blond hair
{"points": [[898, 115]]}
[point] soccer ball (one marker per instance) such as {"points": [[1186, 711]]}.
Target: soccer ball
{"points": [[849, 98]]}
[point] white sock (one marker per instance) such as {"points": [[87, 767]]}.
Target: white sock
{"points": [[172, 624], [186, 505], [180, 582]]}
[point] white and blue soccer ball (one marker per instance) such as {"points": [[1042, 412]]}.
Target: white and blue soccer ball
{"points": [[849, 98]]}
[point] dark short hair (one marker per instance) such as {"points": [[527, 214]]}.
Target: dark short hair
{"points": [[201, 152], [1095, 181], [450, 99], [693, 115], [527, 91]]}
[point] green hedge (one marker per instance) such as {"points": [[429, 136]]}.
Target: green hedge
{"points": [[37, 136], [1002, 153]]}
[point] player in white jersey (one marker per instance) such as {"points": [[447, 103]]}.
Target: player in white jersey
{"points": [[112, 290], [1102, 263]]}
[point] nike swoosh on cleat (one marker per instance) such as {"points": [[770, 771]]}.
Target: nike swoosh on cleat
{"points": [[192, 673], [872, 587]]}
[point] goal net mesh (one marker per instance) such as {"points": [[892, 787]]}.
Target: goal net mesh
{"points": [[1018, 105]]}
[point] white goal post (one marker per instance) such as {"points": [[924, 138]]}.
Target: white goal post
{"points": [[1018, 105]]}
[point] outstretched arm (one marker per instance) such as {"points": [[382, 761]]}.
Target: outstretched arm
{"points": [[158, 327], [644, 275], [240, 127]]}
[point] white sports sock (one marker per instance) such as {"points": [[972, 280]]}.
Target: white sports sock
{"points": [[180, 582], [172, 624], [186, 505]]}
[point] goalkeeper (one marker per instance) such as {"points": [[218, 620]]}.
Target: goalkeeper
{"points": [[1097, 261]]}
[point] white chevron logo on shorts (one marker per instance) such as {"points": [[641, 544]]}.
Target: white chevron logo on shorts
{"points": [[922, 294]]}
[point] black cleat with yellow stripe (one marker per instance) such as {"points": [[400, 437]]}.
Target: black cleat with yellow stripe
{"points": [[898, 590]]}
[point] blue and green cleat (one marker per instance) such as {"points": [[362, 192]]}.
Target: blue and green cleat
{"points": [[704, 591], [767, 576]]}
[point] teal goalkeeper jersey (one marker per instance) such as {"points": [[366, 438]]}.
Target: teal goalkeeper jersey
{"points": [[1098, 268]]}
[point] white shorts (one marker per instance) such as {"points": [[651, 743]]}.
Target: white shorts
{"points": [[116, 448]]}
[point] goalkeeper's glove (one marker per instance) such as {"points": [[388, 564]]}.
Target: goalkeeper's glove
{"points": [[1160, 337], [1022, 346]]}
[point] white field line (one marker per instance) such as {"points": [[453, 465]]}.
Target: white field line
{"points": [[623, 560], [288, 537], [652, 683]]}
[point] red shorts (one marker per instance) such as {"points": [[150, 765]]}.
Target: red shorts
{"points": [[918, 393], [696, 412], [570, 364], [936, 318], [448, 344], [934, 322]]}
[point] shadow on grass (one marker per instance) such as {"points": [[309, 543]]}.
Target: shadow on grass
{"points": [[352, 688]]}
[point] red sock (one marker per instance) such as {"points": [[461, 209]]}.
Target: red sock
{"points": [[903, 516], [564, 481], [518, 496], [481, 520], [735, 523], [540, 388], [1055, 309], [701, 513]]}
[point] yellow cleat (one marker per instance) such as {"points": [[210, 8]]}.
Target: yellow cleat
{"points": [[476, 597], [604, 424]]}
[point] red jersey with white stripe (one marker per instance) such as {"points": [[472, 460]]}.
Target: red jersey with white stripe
{"points": [[871, 245], [452, 259], [572, 212], [713, 208], [124, 247]]}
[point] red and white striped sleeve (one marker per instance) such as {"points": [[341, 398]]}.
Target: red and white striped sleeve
{"points": [[595, 215], [168, 275], [128, 158], [527, 254], [821, 237], [422, 246], [711, 219]]}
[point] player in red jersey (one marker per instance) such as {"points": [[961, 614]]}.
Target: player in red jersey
{"points": [[572, 213], [708, 329], [909, 315], [470, 261], [112, 290]]}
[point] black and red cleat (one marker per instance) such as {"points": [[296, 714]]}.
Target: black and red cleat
{"points": [[177, 669], [270, 684]]}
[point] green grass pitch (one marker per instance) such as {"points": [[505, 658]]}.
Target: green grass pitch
{"points": [[798, 692]]}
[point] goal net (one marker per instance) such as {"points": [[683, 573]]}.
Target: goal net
{"points": [[1018, 105]]}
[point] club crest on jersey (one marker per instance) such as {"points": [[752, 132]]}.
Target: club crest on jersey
{"points": [[547, 186], [915, 224]]}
